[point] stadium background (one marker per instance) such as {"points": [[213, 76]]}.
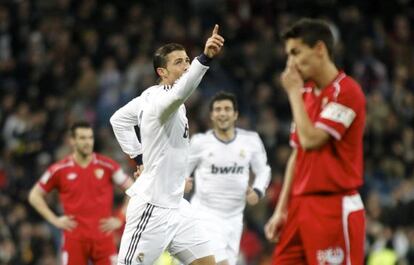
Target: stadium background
{"points": [[61, 60]]}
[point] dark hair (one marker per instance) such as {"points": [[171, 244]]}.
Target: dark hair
{"points": [[310, 31], [79, 124], [159, 59], [222, 95]]}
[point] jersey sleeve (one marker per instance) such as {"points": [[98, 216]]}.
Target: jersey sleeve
{"points": [[339, 113], [171, 99], [119, 177], [49, 180], [195, 154], [123, 122], [259, 166], [293, 139]]}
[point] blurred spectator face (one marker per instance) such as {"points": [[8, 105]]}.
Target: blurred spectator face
{"points": [[177, 63], [304, 58], [83, 141], [402, 28], [223, 115]]}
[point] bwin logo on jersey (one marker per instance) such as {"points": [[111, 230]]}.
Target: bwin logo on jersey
{"points": [[235, 169], [330, 256]]}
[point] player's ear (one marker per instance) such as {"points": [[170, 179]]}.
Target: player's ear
{"points": [[162, 72], [236, 114], [320, 48], [71, 140]]}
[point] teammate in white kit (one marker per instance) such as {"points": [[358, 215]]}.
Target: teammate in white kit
{"points": [[158, 217], [222, 159]]}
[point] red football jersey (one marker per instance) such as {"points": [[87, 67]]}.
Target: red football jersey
{"points": [[85, 192], [338, 109]]}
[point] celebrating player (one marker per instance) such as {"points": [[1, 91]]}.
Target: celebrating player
{"points": [[158, 217], [222, 159]]}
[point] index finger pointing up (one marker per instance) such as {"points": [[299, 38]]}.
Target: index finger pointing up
{"points": [[215, 30]]}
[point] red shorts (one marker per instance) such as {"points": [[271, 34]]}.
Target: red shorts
{"points": [[80, 251], [322, 229]]}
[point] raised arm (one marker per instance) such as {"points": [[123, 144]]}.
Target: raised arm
{"points": [[310, 137], [181, 90]]}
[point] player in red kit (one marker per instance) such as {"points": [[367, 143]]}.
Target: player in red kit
{"points": [[319, 218], [85, 183]]}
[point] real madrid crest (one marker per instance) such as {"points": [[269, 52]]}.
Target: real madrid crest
{"points": [[140, 257], [99, 173], [242, 153]]}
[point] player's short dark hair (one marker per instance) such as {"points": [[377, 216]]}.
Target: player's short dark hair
{"points": [[222, 95], [77, 125], [159, 59], [310, 31]]}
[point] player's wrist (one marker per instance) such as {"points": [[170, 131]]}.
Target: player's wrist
{"points": [[204, 59], [121, 217], [138, 160], [294, 92], [258, 192]]}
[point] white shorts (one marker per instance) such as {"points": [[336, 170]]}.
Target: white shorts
{"points": [[150, 230], [225, 235]]}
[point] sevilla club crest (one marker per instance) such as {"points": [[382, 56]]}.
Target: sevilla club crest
{"points": [[99, 173]]}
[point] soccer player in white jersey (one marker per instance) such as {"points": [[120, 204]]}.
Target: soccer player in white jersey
{"points": [[158, 218], [222, 159]]}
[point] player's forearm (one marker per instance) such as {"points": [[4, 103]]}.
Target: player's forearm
{"points": [[287, 184], [125, 134], [38, 202], [262, 179], [128, 141], [183, 89], [307, 133], [124, 206]]}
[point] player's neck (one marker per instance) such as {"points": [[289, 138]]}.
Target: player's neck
{"points": [[166, 82], [82, 160], [225, 135], [326, 75]]}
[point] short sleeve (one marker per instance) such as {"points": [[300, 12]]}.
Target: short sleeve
{"points": [[340, 112], [293, 140], [119, 177], [49, 180]]}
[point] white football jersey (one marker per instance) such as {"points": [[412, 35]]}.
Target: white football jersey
{"points": [[161, 116], [222, 171]]}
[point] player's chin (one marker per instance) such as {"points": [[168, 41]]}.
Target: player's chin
{"points": [[224, 127], [87, 151]]}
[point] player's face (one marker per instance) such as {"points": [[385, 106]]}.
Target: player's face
{"points": [[304, 58], [223, 115], [177, 63], [83, 141]]}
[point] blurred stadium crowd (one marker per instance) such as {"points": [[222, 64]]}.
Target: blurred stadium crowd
{"points": [[64, 60]]}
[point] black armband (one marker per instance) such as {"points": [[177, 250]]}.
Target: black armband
{"points": [[258, 192], [138, 160], [204, 59]]}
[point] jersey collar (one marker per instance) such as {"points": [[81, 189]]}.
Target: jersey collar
{"points": [[229, 141]]}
